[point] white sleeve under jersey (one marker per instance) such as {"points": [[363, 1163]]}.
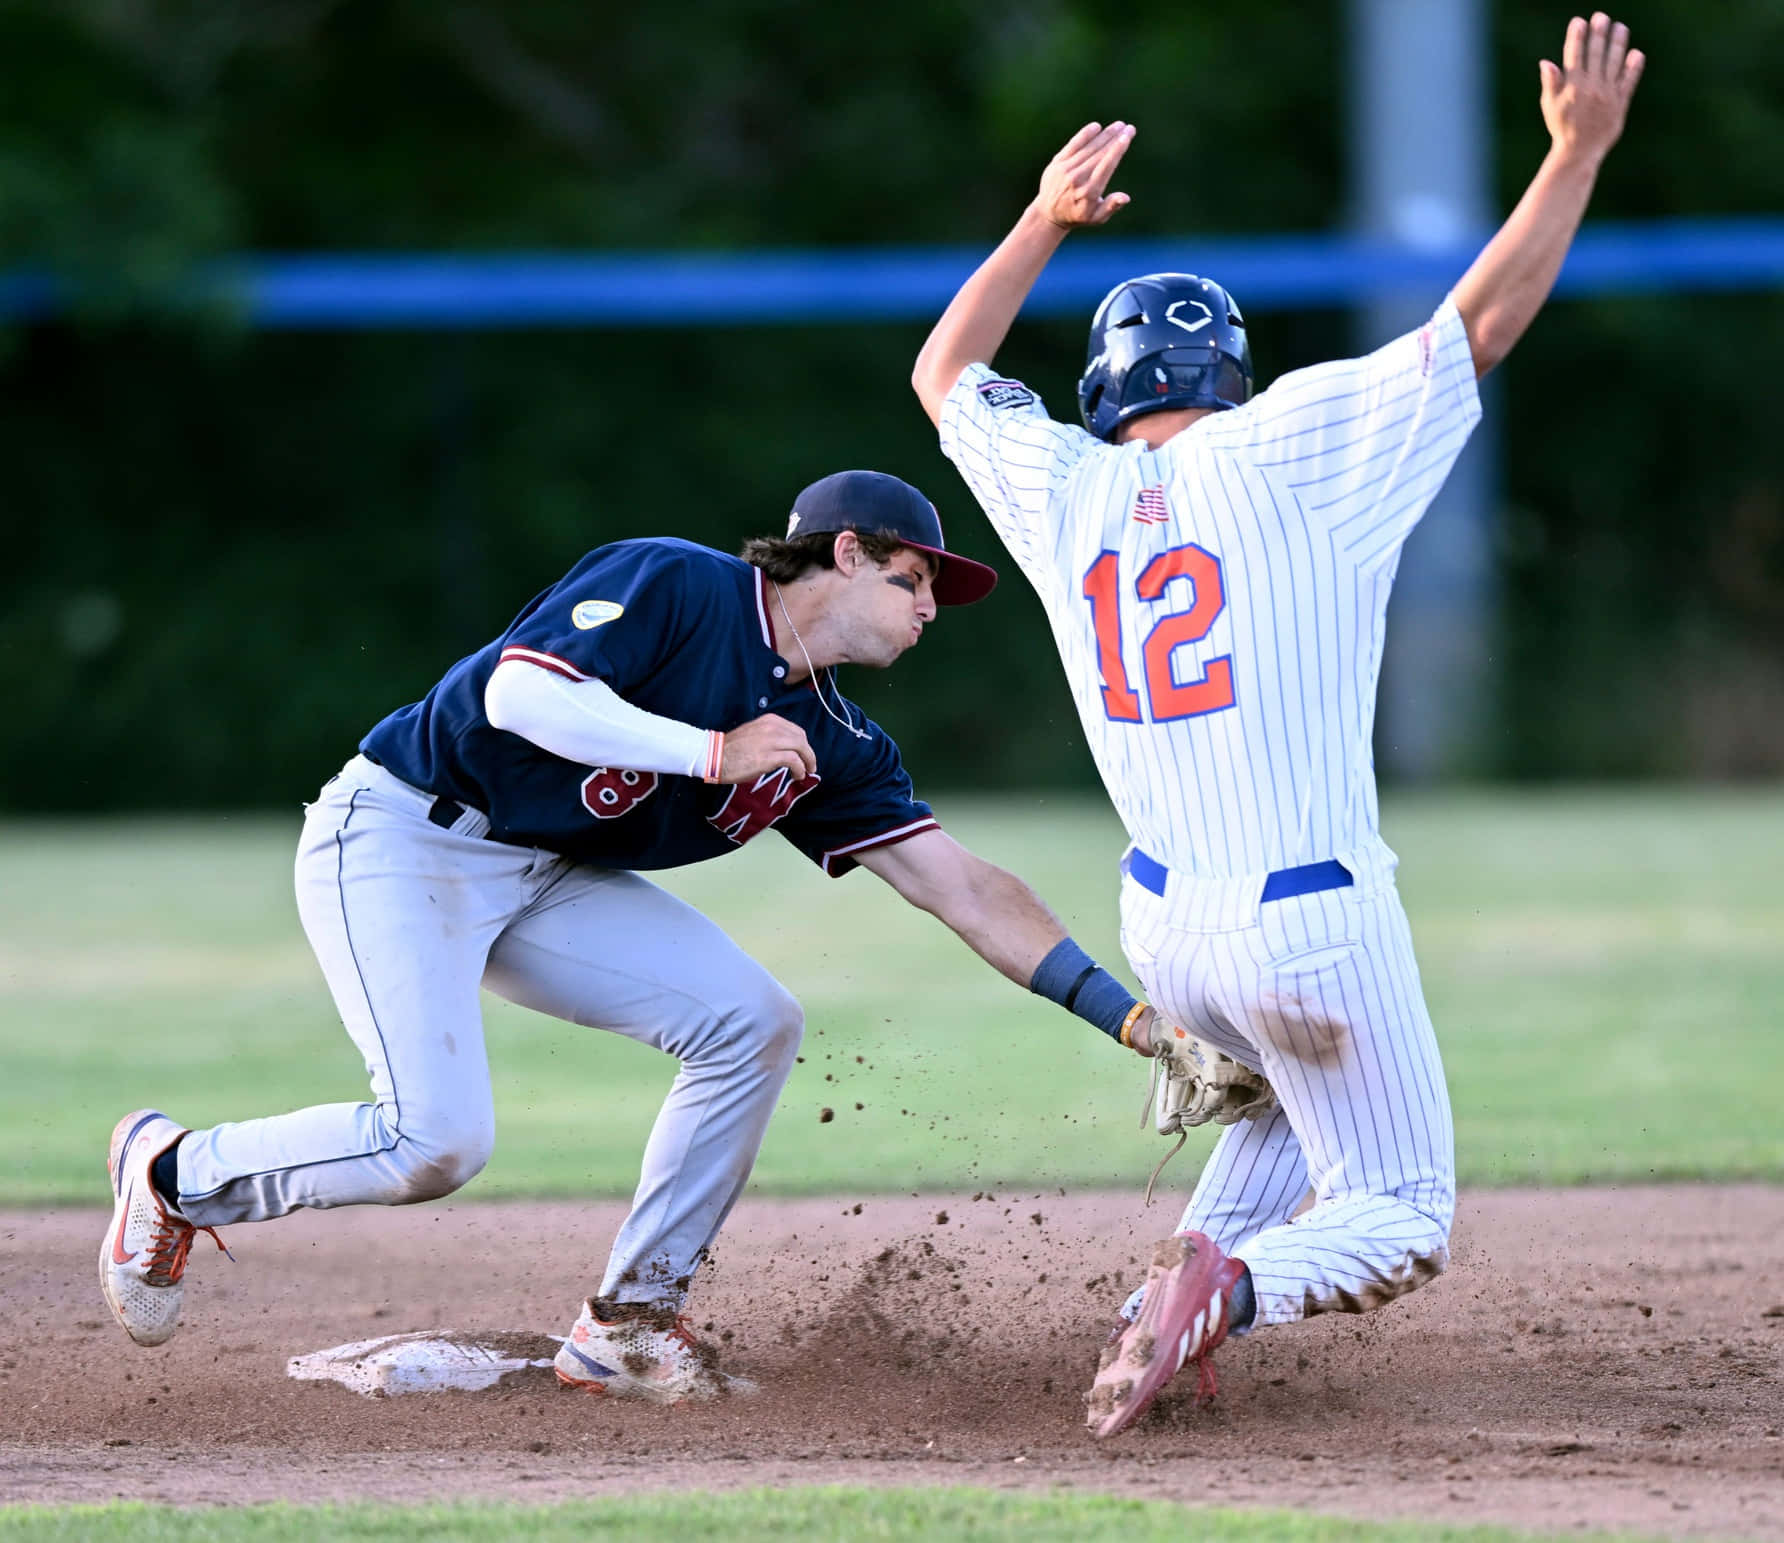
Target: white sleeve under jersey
{"points": [[1219, 603]]}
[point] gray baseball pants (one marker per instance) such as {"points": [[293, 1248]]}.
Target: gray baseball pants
{"points": [[408, 920]]}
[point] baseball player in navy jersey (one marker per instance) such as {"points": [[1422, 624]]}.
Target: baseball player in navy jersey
{"points": [[1216, 566], [662, 704]]}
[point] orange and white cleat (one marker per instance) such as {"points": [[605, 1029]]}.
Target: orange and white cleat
{"points": [[142, 1262], [643, 1352], [1183, 1315]]}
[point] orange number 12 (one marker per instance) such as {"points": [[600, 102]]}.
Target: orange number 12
{"points": [[1165, 697]]}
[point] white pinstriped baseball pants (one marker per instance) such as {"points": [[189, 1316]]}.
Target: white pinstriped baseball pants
{"points": [[408, 920], [1321, 993]]}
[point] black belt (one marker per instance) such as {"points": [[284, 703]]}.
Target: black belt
{"points": [[1151, 874], [442, 811]]}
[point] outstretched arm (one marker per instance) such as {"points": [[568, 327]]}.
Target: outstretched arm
{"points": [[1584, 101], [1010, 927], [978, 318]]}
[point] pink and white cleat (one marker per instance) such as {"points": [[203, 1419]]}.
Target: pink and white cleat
{"points": [[1183, 1315], [644, 1352], [142, 1262]]}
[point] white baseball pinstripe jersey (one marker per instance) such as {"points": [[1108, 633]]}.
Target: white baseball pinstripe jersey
{"points": [[1219, 603]]}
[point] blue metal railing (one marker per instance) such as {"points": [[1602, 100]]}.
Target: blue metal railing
{"points": [[906, 283]]}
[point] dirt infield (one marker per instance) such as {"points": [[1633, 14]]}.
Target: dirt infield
{"points": [[1594, 1357]]}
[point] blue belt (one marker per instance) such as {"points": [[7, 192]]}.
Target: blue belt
{"points": [[1151, 874]]}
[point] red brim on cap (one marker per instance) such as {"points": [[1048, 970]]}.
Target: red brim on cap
{"points": [[959, 580]]}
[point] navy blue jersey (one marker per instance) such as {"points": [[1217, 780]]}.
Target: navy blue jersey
{"points": [[676, 629]]}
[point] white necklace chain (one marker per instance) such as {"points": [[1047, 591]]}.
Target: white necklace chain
{"points": [[817, 680]]}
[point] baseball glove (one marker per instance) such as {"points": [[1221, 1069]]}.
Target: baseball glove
{"points": [[1192, 1084]]}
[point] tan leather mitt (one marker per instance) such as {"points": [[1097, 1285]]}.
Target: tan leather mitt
{"points": [[1192, 1084]]}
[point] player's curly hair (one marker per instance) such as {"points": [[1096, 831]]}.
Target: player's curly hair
{"points": [[783, 560]]}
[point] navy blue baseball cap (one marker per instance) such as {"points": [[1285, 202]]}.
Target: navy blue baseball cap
{"points": [[875, 502]]}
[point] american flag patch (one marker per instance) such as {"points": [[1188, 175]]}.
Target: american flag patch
{"points": [[1149, 507]]}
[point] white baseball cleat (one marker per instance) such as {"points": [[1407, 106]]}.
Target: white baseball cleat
{"points": [[647, 1353], [142, 1261]]}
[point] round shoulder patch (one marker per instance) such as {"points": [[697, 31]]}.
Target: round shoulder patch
{"points": [[595, 613]]}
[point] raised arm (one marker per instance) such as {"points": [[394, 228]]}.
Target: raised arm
{"points": [[1584, 101], [978, 318]]}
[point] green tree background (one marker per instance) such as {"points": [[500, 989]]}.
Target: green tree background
{"points": [[228, 552]]}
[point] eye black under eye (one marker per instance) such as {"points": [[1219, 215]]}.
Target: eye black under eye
{"points": [[904, 581]]}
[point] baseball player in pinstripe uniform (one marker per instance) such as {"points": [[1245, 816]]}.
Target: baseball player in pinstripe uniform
{"points": [[661, 704], [1216, 566]]}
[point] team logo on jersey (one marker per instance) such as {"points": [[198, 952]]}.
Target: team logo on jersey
{"points": [[590, 614], [1006, 393], [1150, 507], [748, 811]]}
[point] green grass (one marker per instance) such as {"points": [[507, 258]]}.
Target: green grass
{"points": [[1606, 970], [744, 1517]]}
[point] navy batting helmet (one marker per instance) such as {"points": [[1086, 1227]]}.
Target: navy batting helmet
{"points": [[1164, 340]]}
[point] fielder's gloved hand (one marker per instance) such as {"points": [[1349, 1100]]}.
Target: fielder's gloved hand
{"points": [[1192, 1084]]}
